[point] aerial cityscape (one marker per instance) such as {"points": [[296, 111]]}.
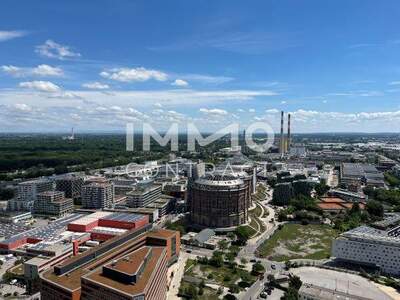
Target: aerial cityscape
{"points": [[204, 150]]}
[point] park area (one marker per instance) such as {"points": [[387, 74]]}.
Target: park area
{"points": [[295, 241]]}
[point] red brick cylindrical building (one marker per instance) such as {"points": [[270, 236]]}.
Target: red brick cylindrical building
{"points": [[219, 200]]}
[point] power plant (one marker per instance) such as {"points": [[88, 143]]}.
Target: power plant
{"points": [[284, 143]]}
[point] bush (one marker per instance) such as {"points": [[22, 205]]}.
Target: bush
{"points": [[233, 288]]}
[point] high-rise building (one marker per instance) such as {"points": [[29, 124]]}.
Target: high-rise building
{"points": [[71, 185], [144, 195], [53, 203], [98, 195]]}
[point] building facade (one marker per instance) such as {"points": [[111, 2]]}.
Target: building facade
{"points": [[143, 196], [98, 195], [219, 200], [370, 247], [27, 193], [71, 185], [53, 203]]}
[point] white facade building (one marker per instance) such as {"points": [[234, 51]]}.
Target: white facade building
{"points": [[369, 246]]}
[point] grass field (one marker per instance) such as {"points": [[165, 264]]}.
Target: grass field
{"points": [[223, 276], [298, 241]]}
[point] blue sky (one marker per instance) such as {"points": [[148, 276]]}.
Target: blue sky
{"points": [[96, 65]]}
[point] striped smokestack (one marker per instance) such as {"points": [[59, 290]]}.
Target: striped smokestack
{"points": [[282, 143], [288, 134]]}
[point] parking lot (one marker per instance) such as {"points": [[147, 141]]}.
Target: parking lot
{"points": [[344, 282]]}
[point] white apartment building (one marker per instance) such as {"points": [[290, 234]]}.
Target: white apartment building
{"points": [[369, 246], [27, 194]]}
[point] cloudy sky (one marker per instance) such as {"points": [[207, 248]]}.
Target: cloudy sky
{"points": [[97, 65]]}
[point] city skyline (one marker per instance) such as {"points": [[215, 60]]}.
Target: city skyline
{"points": [[96, 68]]}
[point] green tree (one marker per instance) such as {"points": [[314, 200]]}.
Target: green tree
{"points": [[258, 268], [375, 208], [321, 188]]}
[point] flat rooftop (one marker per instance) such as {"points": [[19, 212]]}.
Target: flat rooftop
{"points": [[158, 253], [123, 217], [47, 232]]}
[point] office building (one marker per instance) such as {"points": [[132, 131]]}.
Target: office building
{"points": [[53, 203], [144, 195], [130, 266], [140, 274], [370, 247], [98, 195]]}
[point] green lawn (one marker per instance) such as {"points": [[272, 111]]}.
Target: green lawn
{"points": [[299, 241]]}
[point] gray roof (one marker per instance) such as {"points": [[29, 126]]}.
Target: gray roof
{"points": [[204, 235]]}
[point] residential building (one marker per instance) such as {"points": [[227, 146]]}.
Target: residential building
{"points": [[98, 195], [27, 193], [53, 203], [71, 185]]}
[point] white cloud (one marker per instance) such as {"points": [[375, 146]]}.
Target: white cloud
{"points": [[394, 83], [9, 35], [252, 110], [41, 71], [96, 86], [134, 74], [42, 86], [240, 110], [46, 70], [12, 70], [52, 49], [272, 111], [180, 82], [283, 102], [207, 78], [64, 95], [22, 107], [214, 111]]}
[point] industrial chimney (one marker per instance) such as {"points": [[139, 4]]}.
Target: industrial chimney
{"points": [[282, 143], [288, 134]]}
